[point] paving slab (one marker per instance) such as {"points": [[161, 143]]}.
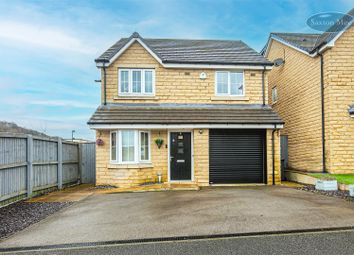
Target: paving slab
{"points": [[211, 211], [70, 194]]}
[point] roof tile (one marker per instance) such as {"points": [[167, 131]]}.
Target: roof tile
{"points": [[183, 51]]}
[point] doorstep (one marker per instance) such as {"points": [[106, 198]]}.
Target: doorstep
{"points": [[238, 185], [152, 187]]}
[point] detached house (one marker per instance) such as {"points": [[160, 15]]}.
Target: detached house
{"points": [[191, 111], [311, 86]]}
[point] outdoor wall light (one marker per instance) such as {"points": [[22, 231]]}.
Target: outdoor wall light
{"points": [[200, 131]]}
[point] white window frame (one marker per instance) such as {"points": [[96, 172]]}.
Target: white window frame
{"points": [[149, 147], [276, 95], [137, 143], [110, 146], [130, 82], [229, 83]]}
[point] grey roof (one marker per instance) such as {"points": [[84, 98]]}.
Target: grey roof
{"points": [[310, 42], [184, 114], [184, 51], [334, 30], [303, 41]]}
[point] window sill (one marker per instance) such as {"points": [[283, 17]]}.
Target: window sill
{"points": [[128, 97], [229, 98], [133, 166]]}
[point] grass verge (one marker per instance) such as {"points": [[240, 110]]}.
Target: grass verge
{"points": [[341, 178]]}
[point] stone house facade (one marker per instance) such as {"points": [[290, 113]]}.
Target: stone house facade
{"points": [[190, 111], [312, 90]]}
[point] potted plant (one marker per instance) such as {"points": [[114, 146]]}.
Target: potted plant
{"points": [[99, 142], [326, 183], [159, 177], [159, 142]]}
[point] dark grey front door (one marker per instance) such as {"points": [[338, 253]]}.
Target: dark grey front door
{"points": [[180, 156]]}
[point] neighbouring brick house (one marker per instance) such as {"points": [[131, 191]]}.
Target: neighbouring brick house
{"points": [[297, 91], [204, 100]]}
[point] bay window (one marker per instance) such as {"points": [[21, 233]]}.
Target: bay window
{"points": [[114, 146], [144, 146], [229, 83], [136, 82], [130, 146]]}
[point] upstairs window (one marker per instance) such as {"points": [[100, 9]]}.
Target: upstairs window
{"points": [[136, 82], [274, 95], [229, 83]]}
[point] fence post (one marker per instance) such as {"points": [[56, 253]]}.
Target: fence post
{"points": [[60, 163], [80, 163], [29, 165]]}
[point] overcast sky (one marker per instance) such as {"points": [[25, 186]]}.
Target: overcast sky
{"points": [[47, 48]]}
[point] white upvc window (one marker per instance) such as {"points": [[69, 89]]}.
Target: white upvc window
{"points": [[229, 83], [130, 146], [136, 82], [274, 95]]}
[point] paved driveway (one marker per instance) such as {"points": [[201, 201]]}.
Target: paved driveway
{"points": [[105, 217]]}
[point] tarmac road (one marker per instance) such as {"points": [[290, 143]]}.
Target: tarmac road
{"points": [[328, 242]]}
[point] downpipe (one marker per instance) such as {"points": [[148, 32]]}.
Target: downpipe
{"points": [[273, 156], [323, 117], [263, 84], [104, 85]]}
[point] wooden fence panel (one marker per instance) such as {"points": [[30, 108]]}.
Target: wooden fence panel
{"points": [[34, 163]]}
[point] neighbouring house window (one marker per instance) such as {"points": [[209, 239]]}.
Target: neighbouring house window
{"points": [[274, 95], [130, 146], [136, 81], [229, 83]]}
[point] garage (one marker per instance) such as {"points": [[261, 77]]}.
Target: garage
{"points": [[236, 156]]}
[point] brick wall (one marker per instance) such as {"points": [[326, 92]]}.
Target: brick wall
{"points": [[299, 105], [339, 94], [277, 161], [201, 157], [131, 175], [174, 85], [127, 176]]}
